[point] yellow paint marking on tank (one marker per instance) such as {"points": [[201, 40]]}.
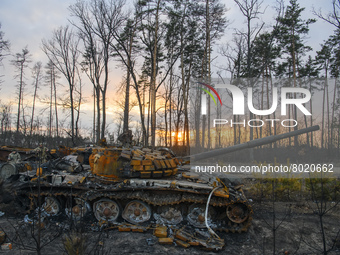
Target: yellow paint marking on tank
{"points": [[138, 168], [158, 164], [190, 175], [163, 164], [221, 193], [108, 164], [147, 162], [168, 165], [172, 163], [149, 168], [222, 183], [173, 184], [136, 162], [157, 174], [167, 173]]}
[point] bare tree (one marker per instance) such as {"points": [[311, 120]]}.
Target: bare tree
{"points": [[250, 9], [98, 20], [130, 34], [93, 55], [36, 74], [151, 37], [5, 125], [51, 77], [62, 51], [20, 63], [324, 203], [332, 17], [121, 104], [78, 103], [125, 48], [183, 27], [276, 222], [234, 53], [4, 46]]}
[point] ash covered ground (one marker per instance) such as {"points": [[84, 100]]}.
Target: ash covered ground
{"points": [[296, 222]]}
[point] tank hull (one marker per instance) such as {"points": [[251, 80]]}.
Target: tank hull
{"points": [[170, 202]]}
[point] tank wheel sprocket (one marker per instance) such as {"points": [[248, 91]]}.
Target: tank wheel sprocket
{"points": [[237, 212], [196, 215], [169, 214], [51, 206], [137, 212], [106, 210], [77, 209]]}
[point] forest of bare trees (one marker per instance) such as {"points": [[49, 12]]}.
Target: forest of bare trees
{"points": [[160, 48]]}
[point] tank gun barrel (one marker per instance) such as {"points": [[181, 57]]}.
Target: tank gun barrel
{"points": [[252, 144]]}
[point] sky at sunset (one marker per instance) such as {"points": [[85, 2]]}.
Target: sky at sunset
{"points": [[27, 22]]}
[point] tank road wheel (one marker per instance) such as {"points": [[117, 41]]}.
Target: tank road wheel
{"points": [[77, 209], [106, 210], [137, 212], [169, 215], [196, 215], [237, 213], [51, 206]]}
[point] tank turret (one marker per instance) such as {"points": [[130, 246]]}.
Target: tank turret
{"points": [[145, 163]]}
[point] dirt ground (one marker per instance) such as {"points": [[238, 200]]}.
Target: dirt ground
{"points": [[296, 223]]}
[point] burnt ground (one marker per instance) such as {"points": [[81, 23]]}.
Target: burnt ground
{"points": [[298, 232]]}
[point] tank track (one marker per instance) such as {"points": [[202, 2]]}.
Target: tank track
{"points": [[155, 199]]}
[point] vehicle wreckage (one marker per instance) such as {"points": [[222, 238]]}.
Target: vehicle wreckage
{"points": [[136, 188]]}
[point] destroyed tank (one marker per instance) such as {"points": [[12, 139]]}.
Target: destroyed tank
{"points": [[125, 186]]}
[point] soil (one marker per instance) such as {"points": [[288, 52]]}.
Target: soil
{"points": [[297, 231]]}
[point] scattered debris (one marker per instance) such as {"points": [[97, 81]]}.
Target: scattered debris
{"points": [[161, 232], [28, 220], [151, 241], [166, 240], [6, 246], [182, 243], [2, 237]]}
